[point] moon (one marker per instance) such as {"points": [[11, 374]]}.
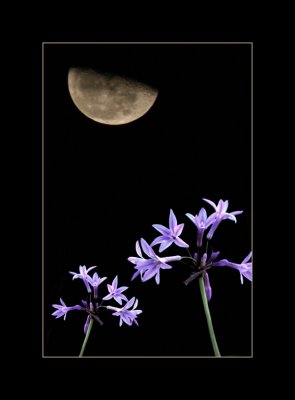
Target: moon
{"points": [[107, 98]]}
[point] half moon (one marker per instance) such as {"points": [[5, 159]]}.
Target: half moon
{"points": [[109, 99]]}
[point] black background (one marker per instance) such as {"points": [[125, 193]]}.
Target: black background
{"points": [[106, 185]]}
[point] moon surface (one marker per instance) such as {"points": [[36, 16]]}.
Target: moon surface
{"points": [[109, 99]]}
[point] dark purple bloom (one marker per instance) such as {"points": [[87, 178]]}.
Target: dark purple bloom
{"points": [[126, 315], [202, 223], [148, 268], [205, 264], [115, 292], [88, 319], [83, 275], [95, 281], [207, 286], [220, 214], [169, 235], [245, 268], [62, 309]]}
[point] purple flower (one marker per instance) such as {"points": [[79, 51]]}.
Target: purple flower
{"points": [[62, 309], [95, 281], [148, 268], [220, 214], [245, 268], [202, 223], [115, 292], [169, 235], [84, 276], [126, 315]]}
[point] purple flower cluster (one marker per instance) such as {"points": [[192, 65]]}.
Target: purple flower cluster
{"points": [[150, 266], [94, 306]]}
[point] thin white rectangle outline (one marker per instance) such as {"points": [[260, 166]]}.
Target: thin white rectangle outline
{"points": [[42, 188]]}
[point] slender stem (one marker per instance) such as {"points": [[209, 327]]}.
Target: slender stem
{"points": [[189, 253], [86, 338], [208, 317], [191, 258]]}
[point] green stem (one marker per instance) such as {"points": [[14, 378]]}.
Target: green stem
{"points": [[208, 317], [86, 338]]}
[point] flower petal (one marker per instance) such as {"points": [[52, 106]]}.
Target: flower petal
{"points": [[229, 216], [158, 278], [178, 229], [210, 220], [211, 203], [165, 266], [191, 217], [113, 308], [242, 279], [122, 289], [213, 256], [147, 249], [223, 206], [248, 274], [89, 269], [108, 297], [171, 258], [158, 240], [225, 263], [213, 228], [115, 283], [129, 303], [180, 243], [138, 249], [150, 273], [172, 220], [126, 319], [118, 300], [203, 215], [135, 304], [122, 296], [57, 314], [236, 212], [134, 260], [145, 264], [165, 245], [135, 275], [247, 258], [162, 229]]}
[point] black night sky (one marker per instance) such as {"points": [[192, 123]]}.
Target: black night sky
{"points": [[106, 185]]}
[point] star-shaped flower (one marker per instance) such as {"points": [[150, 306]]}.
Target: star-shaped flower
{"points": [[83, 275], [202, 223], [169, 235], [220, 214], [126, 315], [148, 268], [62, 309], [245, 268], [115, 292], [95, 281]]}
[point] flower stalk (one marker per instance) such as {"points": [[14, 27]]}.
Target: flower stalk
{"points": [[208, 317], [86, 338]]}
